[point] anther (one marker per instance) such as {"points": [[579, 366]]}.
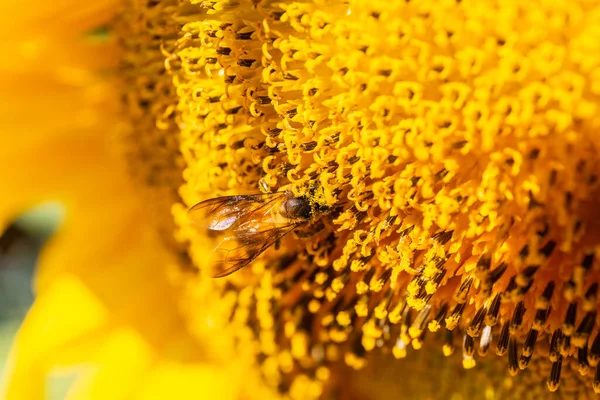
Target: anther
{"points": [[463, 291], [524, 289], [491, 318], [591, 298], [524, 361], [497, 273], [596, 384], [548, 248], [243, 35], [524, 277], [485, 341], [530, 341], [448, 347], [443, 237], [455, 316], [565, 346], [468, 345], [510, 288], [484, 263], [541, 316], [587, 261], [583, 366], [585, 328], [554, 380], [594, 356], [571, 315], [416, 329], [554, 345], [524, 252], [543, 301], [502, 344], [435, 324], [476, 324], [377, 284], [517, 317], [513, 363]]}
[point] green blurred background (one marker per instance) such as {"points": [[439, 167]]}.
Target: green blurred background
{"points": [[20, 246]]}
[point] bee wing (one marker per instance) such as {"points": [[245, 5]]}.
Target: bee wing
{"points": [[236, 251], [222, 213]]}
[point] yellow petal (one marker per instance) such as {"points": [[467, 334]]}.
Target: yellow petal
{"points": [[125, 358], [198, 381], [48, 328]]}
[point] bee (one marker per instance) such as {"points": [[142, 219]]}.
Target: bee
{"points": [[247, 225]]}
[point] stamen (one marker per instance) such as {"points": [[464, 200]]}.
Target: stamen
{"points": [[554, 380], [476, 324], [485, 341], [502, 344], [557, 337], [583, 366], [517, 318], [435, 324], [468, 345], [513, 363], [491, 317], [530, 341], [569, 324], [448, 347], [586, 325], [543, 302], [594, 356]]}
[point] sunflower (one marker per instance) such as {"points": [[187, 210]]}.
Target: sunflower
{"points": [[445, 154]]}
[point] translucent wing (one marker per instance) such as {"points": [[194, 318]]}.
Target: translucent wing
{"points": [[240, 249], [229, 212], [247, 225]]}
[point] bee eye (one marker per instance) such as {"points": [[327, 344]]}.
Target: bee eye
{"points": [[297, 208]]}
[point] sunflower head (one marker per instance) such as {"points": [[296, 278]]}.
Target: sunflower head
{"points": [[452, 144], [399, 175]]}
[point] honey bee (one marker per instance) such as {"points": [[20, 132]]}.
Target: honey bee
{"points": [[247, 225]]}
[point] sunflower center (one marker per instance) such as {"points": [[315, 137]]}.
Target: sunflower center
{"points": [[454, 146]]}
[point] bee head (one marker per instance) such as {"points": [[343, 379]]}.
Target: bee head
{"points": [[298, 208]]}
